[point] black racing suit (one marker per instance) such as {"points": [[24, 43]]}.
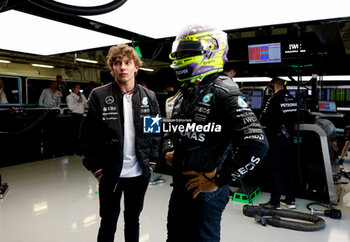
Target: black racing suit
{"points": [[279, 117], [218, 120]]}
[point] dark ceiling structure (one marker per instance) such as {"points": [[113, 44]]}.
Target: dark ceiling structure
{"points": [[323, 46]]}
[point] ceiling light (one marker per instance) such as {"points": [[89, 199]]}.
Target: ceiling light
{"points": [[5, 61], [86, 60], [246, 14], [146, 69], [44, 66], [48, 37], [296, 78], [334, 78], [302, 78], [252, 79]]}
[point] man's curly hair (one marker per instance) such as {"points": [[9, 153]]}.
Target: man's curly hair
{"points": [[119, 51]]}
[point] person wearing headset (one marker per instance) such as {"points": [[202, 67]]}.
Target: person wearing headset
{"points": [[279, 119]]}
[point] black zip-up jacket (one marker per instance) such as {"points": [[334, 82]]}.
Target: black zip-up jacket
{"points": [[215, 105], [102, 131], [279, 114]]}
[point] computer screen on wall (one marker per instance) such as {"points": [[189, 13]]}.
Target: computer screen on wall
{"points": [[254, 98], [303, 96], [327, 106], [264, 53]]}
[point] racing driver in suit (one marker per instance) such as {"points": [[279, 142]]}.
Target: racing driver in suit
{"points": [[212, 122]]}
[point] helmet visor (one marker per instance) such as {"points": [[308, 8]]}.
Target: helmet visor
{"points": [[182, 49]]}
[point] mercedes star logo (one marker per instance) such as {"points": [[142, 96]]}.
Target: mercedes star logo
{"points": [[109, 100]]}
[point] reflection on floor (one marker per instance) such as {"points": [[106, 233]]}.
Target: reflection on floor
{"points": [[57, 200]]}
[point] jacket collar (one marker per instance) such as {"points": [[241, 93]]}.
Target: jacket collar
{"points": [[119, 92]]}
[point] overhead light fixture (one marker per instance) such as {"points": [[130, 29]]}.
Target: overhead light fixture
{"points": [[73, 37], [335, 78], [146, 69], [5, 61], [86, 60], [252, 79], [44, 66], [302, 78], [320, 78], [249, 14]]}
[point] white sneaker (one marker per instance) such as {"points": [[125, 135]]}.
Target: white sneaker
{"points": [[287, 204]]}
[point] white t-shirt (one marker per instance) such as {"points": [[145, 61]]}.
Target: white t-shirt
{"points": [[131, 168], [169, 104]]}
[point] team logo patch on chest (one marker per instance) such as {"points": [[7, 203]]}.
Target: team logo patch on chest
{"points": [[109, 100], [145, 101], [207, 97], [241, 102]]}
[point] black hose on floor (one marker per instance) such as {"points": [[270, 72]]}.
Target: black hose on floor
{"points": [[273, 217]]}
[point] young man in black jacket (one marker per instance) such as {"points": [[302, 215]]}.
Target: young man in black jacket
{"points": [[117, 149], [216, 121]]}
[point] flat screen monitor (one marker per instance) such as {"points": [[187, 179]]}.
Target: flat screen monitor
{"points": [[264, 53], [302, 97], [254, 98], [327, 106]]}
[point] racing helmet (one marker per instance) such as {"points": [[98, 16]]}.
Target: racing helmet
{"points": [[198, 51]]}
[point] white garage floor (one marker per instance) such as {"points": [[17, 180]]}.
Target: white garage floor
{"points": [[57, 200]]}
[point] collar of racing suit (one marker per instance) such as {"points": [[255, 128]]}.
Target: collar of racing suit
{"points": [[188, 88]]}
